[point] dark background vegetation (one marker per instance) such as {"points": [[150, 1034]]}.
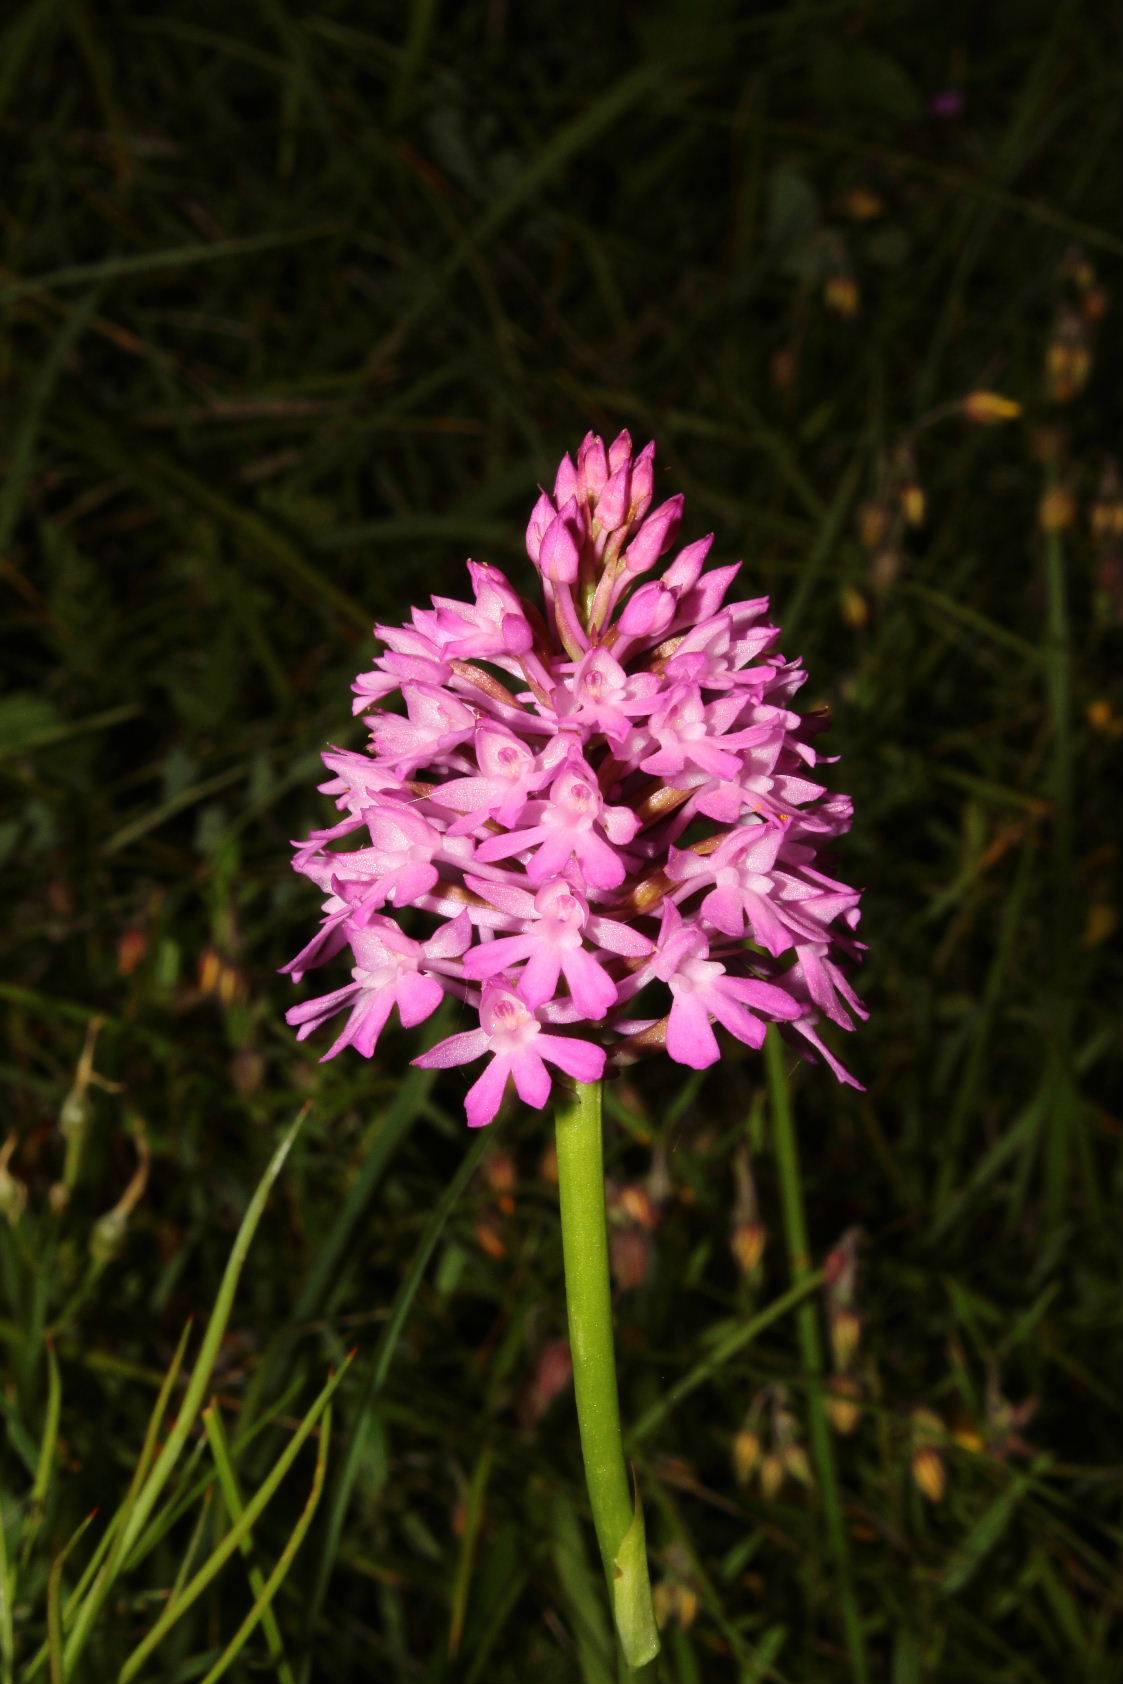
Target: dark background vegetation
{"points": [[299, 304]]}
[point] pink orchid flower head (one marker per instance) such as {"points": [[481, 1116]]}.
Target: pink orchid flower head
{"points": [[582, 806]]}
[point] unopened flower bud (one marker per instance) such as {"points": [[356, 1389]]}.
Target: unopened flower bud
{"points": [[686, 569], [559, 556], [620, 450], [649, 612], [643, 482], [541, 516], [592, 465], [614, 501], [655, 536], [989, 408], [565, 484]]}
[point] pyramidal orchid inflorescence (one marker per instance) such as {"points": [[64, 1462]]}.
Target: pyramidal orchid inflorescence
{"points": [[595, 823]]}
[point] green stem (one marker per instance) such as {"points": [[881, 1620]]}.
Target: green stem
{"points": [[1062, 1114], [822, 1449], [616, 1512]]}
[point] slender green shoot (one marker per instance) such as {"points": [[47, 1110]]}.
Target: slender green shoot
{"points": [[799, 1258]]}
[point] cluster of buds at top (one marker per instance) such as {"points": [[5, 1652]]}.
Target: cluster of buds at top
{"points": [[598, 816]]}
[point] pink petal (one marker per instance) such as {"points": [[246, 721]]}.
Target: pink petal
{"points": [[690, 1040], [491, 957], [532, 1079], [805, 1028], [763, 997], [485, 1096], [418, 998], [591, 986], [452, 939], [309, 1014], [366, 1023], [506, 896], [618, 937], [582, 1060], [724, 909], [539, 981], [457, 1049], [736, 1019], [413, 881]]}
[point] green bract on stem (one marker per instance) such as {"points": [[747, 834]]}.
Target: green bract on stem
{"points": [[617, 1516]]}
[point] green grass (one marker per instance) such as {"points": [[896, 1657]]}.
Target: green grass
{"points": [[298, 305]]}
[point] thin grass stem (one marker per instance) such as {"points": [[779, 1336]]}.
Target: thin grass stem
{"points": [[822, 1451]]}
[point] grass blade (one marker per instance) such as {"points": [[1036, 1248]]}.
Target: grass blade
{"points": [[822, 1450], [234, 1539], [266, 1590], [380, 1366], [235, 1508], [158, 262], [155, 1481]]}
